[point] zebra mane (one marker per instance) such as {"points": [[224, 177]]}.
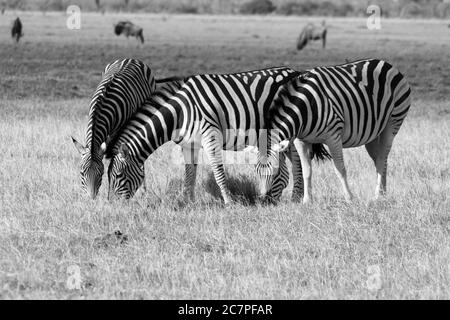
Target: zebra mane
{"points": [[157, 101], [302, 76], [173, 79], [96, 109]]}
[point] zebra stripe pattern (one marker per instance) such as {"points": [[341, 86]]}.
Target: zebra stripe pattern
{"points": [[212, 111], [358, 103], [125, 85]]}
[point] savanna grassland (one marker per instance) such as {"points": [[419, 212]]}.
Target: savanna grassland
{"points": [[394, 248]]}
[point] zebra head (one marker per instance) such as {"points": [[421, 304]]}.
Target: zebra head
{"points": [[91, 168], [267, 167], [125, 174]]}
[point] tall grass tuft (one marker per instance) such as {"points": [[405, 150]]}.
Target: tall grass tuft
{"points": [[243, 188]]}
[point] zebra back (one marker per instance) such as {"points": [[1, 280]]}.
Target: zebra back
{"points": [[358, 97], [125, 85], [165, 89]]}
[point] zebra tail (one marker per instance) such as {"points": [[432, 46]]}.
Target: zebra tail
{"points": [[319, 152]]}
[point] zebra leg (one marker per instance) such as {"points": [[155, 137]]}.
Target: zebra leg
{"points": [[212, 145], [335, 146], [294, 158], [304, 150], [190, 155], [379, 153], [372, 150], [280, 181]]}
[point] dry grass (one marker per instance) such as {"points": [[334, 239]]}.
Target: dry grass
{"points": [[202, 250]]}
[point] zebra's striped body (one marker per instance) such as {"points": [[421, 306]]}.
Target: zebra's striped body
{"points": [[125, 85], [358, 103], [212, 111]]}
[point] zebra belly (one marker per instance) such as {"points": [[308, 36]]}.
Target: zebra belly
{"points": [[364, 126], [357, 140]]}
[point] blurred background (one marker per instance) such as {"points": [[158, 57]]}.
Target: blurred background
{"points": [[390, 8]]}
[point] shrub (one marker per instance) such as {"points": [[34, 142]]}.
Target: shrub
{"points": [[326, 8], [185, 8], [257, 7], [291, 8]]}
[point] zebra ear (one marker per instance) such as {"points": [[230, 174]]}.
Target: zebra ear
{"points": [[124, 152], [81, 149], [282, 146]]}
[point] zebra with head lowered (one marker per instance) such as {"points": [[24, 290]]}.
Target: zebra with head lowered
{"points": [[129, 29], [125, 85], [214, 111], [345, 106]]}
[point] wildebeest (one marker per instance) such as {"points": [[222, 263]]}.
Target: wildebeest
{"points": [[129, 29], [16, 31], [312, 32]]}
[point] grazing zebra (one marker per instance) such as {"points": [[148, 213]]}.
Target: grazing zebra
{"points": [[16, 30], [129, 29], [312, 32], [349, 105], [212, 111], [125, 85]]}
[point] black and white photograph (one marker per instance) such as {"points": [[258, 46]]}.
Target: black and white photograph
{"points": [[225, 150]]}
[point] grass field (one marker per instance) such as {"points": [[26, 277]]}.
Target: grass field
{"points": [[395, 248]]}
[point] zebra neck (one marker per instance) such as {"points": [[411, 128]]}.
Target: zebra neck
{"points": [[98, 127], [94, 140], [283, 129], [162, 127]]}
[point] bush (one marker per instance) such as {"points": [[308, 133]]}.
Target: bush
{"points": [[307, 8], [185, 8], [257, 7], [291, 8], [14, 4]]}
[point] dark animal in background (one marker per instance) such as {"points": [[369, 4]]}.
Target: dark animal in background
{"points": [[129, 29], [16, 31], [312, 32], [3, 10]]}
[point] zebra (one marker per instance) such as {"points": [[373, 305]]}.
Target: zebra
{"points": [[344, 106], [210, 111], [16, 30], [129, 29], [312, 32], [125, 85]]}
